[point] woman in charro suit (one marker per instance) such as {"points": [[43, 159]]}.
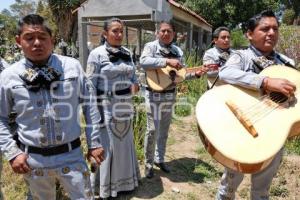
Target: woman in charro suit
{"points": [[112, 71]]}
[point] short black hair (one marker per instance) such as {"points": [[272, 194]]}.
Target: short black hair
{"points": [[253, 22], [167, 22], [32, 19], [218, 30]]}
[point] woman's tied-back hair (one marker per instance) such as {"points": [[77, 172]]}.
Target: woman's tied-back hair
{"points": [[253, 22], [218, 30], [32, 19], [107, 24], [167, 22]]}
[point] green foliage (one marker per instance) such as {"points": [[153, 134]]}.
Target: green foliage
{"points": [[7, 33], [229, 13], [182, 107], [139, 126], [190, 90], [288, 17], [289, 42], [279, 191], [293, 5], [2, 51], [293, 146], [238, 39], [22, 8], [62, 4], [64, 18], [44, 10], [207, 171]]}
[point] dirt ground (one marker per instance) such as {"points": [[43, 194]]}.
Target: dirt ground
{"points": [[195, 175]]}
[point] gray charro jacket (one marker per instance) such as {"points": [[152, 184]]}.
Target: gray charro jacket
{"points": [[241, 70], [47, 118]]}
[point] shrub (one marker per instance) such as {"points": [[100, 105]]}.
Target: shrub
{"points": [[190, 90], [288, 17], [238, 40], [139, 126], [289, 42]]}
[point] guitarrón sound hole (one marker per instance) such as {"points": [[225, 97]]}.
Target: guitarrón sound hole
{"points": [[278, 97], [172, 74]]}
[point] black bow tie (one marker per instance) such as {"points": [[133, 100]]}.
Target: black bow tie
{"points": [[223, 57], [169, 52], [38, 77], [118, 53]]}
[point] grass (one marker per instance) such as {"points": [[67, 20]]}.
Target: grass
{"points": [[244, 193], [171, 140], [293, 146], [200, 151], [207, 171], [139, 126], [191, 196], [279, 191], [13, 185], [197, 171]]}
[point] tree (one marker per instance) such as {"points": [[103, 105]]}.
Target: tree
{"points": [[22, 8], [229, 13], [295, 6], [288, 16], [44, 10], [7, 32], [66, 20]]}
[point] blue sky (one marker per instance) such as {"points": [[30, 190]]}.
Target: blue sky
{"points": [[5, 4]]}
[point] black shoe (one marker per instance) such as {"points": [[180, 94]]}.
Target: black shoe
{"points": [[163, 167], [149, 173]]}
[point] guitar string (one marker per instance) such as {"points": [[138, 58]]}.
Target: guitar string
{"points": [[268, 105], [265, 106], [254, 108], [264, 102], [272, 104]]}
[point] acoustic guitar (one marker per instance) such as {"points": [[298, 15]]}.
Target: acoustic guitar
{"points": [[161, 78], [242, 129]]}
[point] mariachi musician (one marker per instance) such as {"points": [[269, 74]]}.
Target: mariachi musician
{"points": [[159, 54]]}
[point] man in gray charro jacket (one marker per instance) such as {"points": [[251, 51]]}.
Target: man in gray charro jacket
{"points": [[3, 65], [243, 68], [159, 54], [217, 54], [47, 91]]}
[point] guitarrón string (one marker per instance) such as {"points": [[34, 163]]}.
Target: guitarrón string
{"points": [[265, 106]]}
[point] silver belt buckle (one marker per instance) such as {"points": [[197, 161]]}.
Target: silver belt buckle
{"points": [[109, 93], [169, 96]]}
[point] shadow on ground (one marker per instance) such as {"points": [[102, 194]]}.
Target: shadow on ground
{"points": [[191, 170], [182, 170]]}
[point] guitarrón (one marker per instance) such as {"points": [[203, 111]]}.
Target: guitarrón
{"points": [[273, 119]]}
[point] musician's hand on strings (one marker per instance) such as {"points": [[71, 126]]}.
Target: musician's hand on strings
{"points": [[201, 71], [212, 67], [174, 63], [279, 85]]}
